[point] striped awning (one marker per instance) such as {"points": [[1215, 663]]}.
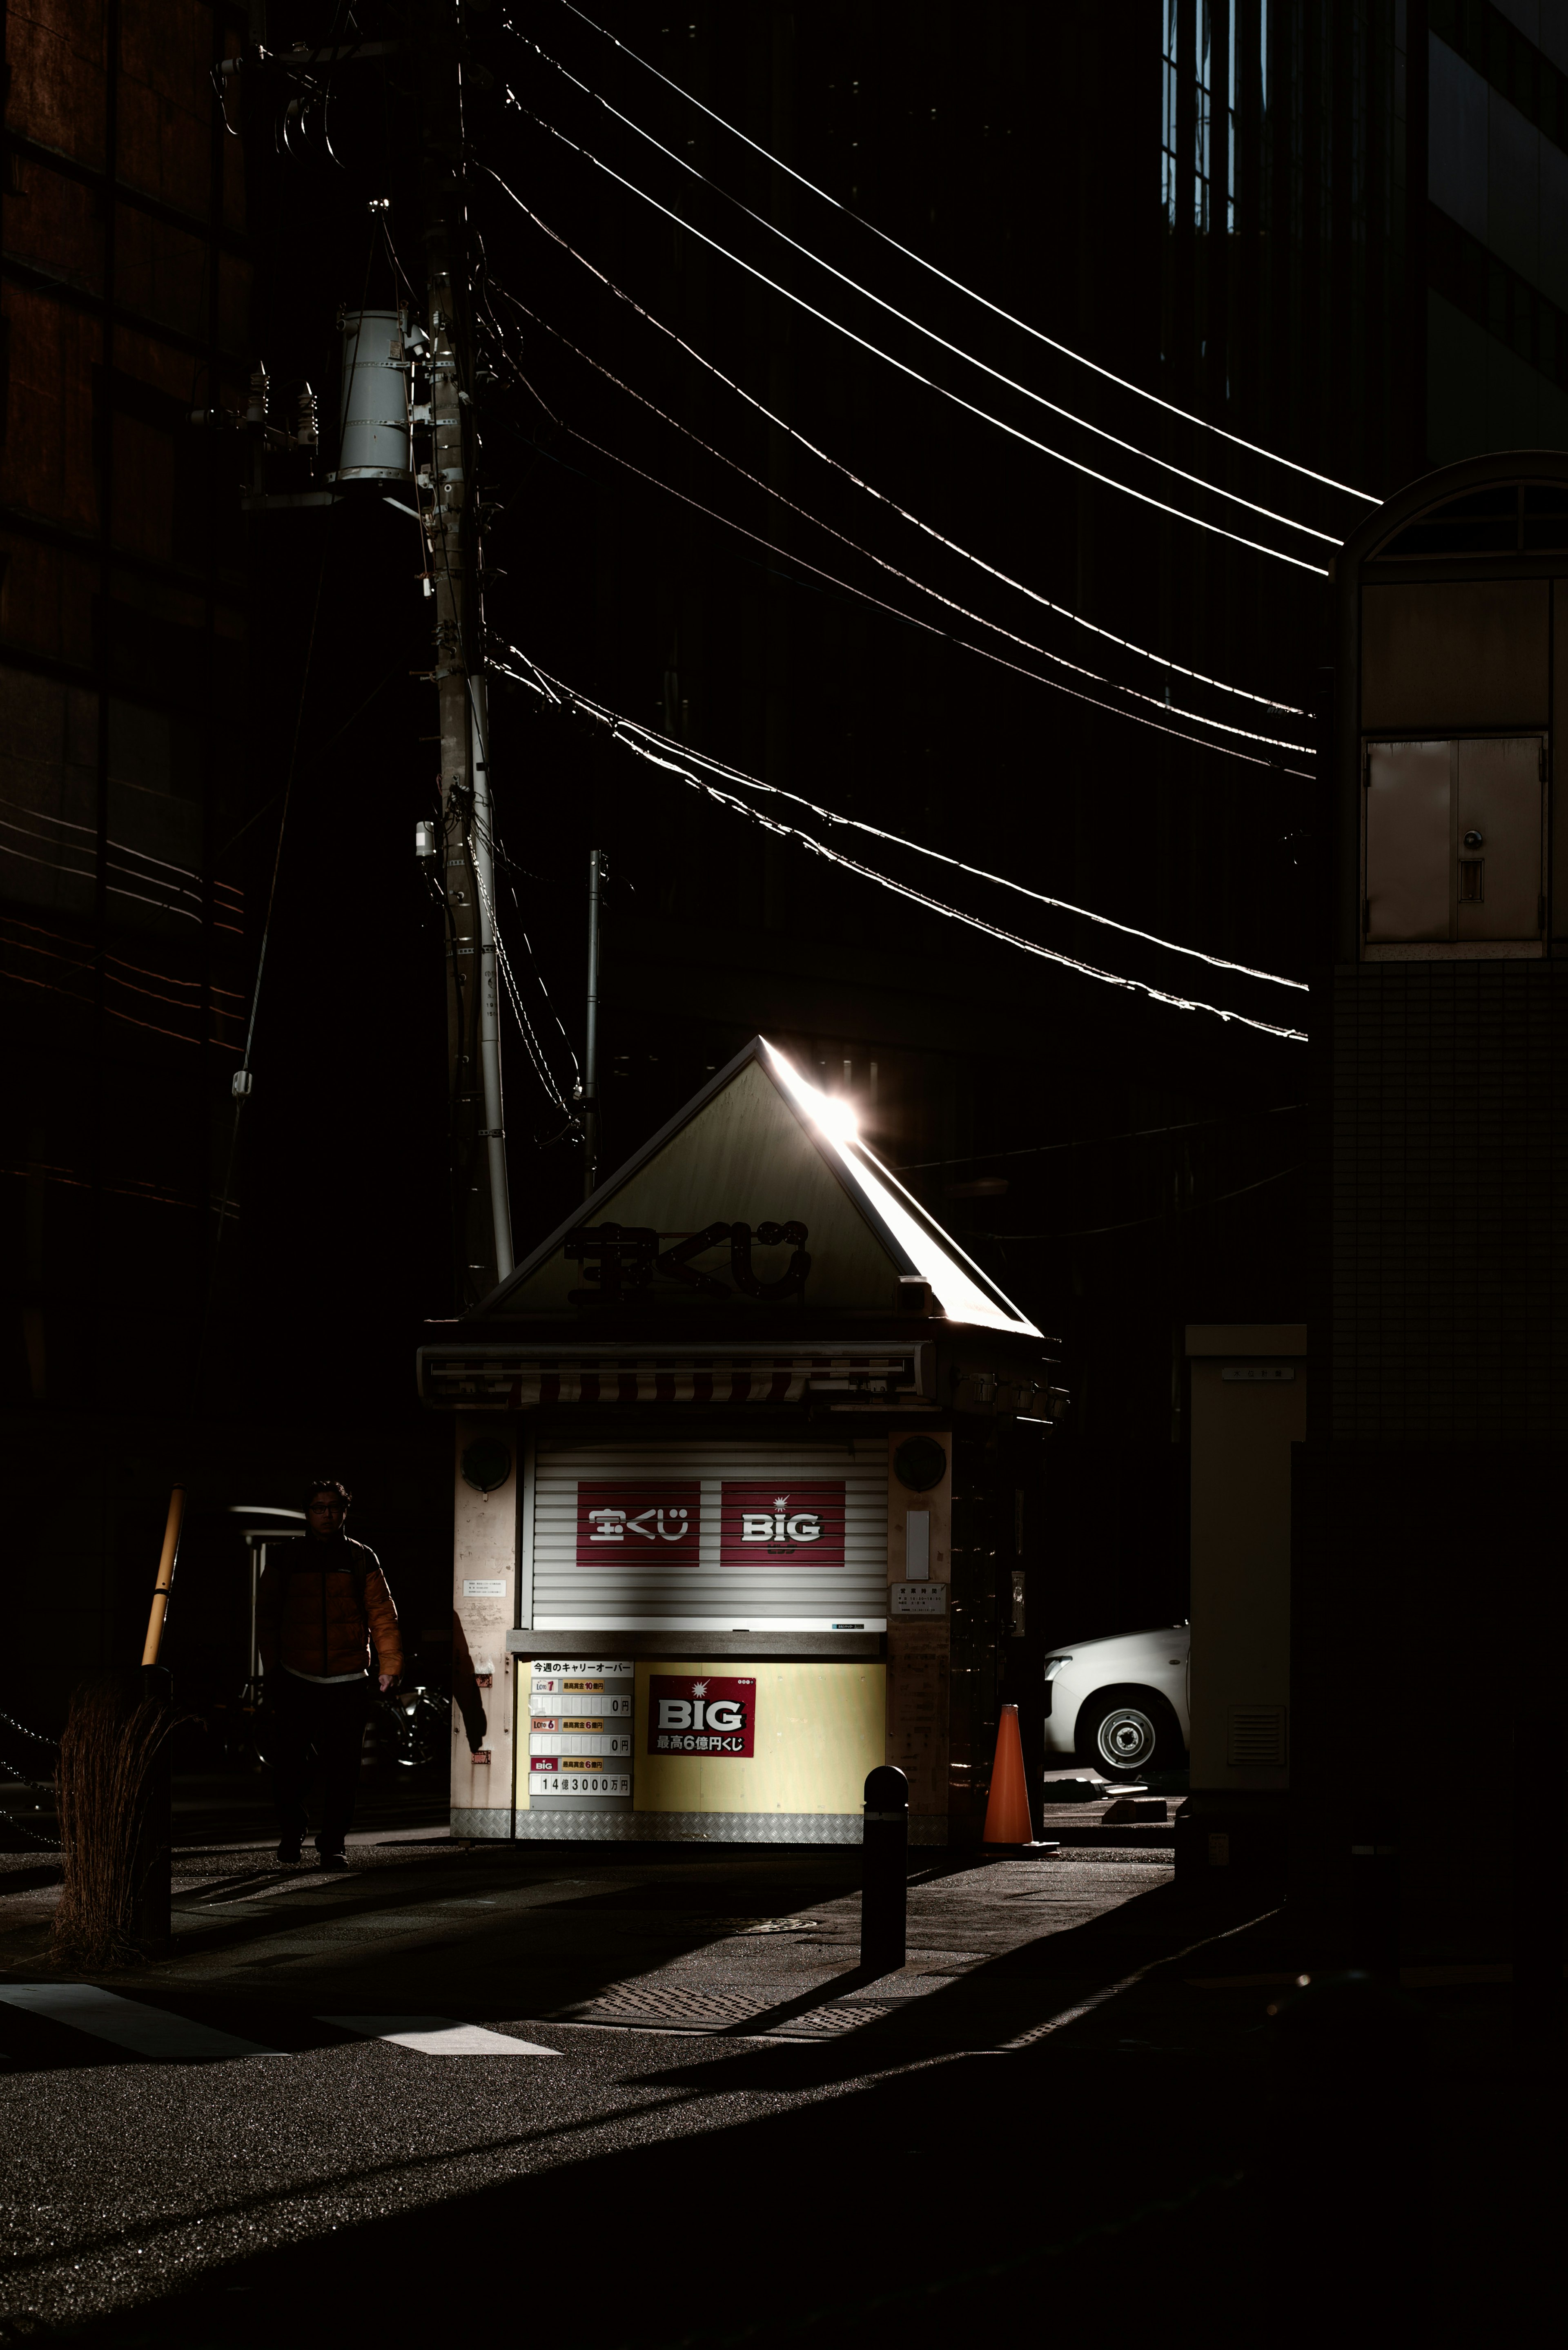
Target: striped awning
{"points": [[503, 1380]]}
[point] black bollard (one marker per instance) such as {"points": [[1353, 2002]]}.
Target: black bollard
{"points": [[885, 1883]]}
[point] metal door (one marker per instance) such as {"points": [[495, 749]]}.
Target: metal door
{"points": [[1409, 880], [1499, 837], [1454, 843]]}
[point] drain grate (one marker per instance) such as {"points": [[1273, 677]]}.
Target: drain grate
{"points": [[844, 2015], [675, 2007], [666, 2004]]}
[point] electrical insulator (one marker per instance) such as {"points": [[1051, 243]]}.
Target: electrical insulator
{"points": [[261, 385], [375, 444], [426, 843], [305, 419], [240, 1084]]}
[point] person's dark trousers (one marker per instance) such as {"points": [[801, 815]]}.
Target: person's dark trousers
{"points": [[318, 1730]]}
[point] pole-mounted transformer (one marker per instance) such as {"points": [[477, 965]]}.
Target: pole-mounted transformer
{"points": [[375, 439]]}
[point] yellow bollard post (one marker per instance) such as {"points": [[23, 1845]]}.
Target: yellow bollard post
{"points": [[155, 1858], [165, 1575]]}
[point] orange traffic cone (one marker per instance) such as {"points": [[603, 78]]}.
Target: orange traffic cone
{"points": [[1007, 1819]]}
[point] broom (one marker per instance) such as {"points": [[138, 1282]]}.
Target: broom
{"points": [[113, 1798]]}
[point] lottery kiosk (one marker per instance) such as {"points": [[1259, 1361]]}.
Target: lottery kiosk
{"points": [[743, 1454]]}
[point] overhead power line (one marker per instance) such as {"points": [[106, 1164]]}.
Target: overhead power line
{"points": [[1188, 1208], [531, 1045], [1012, 432], [911, 619], [1026, 644], [492, 842], [628, 731], [918, 848], [1096, 1142], [929, 334], [928, 530], [65, 824], [1201, 423]]}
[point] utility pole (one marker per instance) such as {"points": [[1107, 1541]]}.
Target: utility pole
{"points": [[480, 1214], [590, 1088]]}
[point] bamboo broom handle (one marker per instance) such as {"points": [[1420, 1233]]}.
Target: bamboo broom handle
{"points": [[165, 1575]]}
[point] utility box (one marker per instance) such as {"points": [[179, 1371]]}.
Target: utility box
{"points": [[1247, 1410], [1454, 844]]}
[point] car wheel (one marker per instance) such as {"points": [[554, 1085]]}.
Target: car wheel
{"points": [[1126, 1731]]}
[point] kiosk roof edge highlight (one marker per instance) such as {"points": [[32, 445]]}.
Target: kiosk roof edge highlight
{"points": [[759, 1143], [966, 1293]]}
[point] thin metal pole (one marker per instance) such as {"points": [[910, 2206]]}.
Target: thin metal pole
{"points": [[591, 1049], [258, 1568], [489, 1009]]}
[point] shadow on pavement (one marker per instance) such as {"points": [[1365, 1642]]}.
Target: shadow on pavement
{"points": [[1167, 2165]]}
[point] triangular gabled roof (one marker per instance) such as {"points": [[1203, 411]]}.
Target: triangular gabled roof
{"points": [[760, 1144]]}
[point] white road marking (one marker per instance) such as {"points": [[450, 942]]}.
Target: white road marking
{"points": [[437, 2035], [148, 2031]]}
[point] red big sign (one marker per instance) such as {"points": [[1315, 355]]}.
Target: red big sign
{"points": [[782, 1525], [644, 1524], [712, 1714]]}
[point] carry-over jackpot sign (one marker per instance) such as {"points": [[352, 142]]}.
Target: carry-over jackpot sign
{"points": [[579, 1727]]}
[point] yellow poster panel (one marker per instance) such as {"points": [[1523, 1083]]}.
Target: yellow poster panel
{"points": [[815, 1731]]}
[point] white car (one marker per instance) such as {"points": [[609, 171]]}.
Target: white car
{"points": [[1120, 1705]]}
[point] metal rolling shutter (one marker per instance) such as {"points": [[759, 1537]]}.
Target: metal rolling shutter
{"points": [[566, 1596]]}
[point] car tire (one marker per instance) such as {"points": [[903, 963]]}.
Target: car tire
{"points": [[1124, 1732]]}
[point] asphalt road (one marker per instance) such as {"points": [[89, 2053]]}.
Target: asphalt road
{"points": [[654, 2100]]}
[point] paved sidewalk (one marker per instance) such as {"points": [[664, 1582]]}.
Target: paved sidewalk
{"points": [[457, 2077], [751, 1940]]}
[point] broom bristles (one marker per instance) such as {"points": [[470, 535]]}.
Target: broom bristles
{"points": [[107, 1753]]}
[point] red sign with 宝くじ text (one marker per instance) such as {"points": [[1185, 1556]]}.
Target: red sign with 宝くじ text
{"points": [[782, 1525], [644, 1524], [711, 1714]]}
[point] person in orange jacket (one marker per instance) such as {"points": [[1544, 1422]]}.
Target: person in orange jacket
{"points": [[324, 1605]]}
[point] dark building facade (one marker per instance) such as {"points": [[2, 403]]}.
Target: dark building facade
{"points": [[153, 669], [1427, 1493], [1233, 211]]}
